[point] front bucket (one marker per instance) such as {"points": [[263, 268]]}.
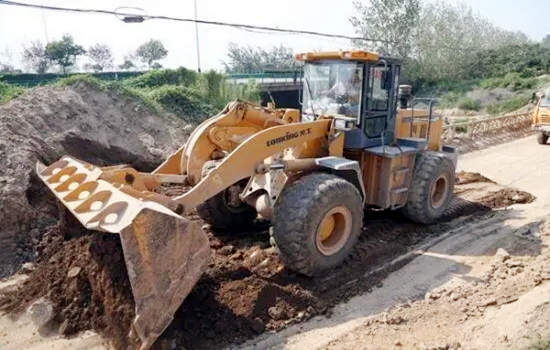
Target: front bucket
{"points": [[165, 258], [165, 254]]}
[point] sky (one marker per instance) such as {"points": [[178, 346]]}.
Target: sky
{"points": [[20, 25]]}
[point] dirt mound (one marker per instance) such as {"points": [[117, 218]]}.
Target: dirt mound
{"points": [[79, 120], [506, 197], [84, 278], [465, 177]]}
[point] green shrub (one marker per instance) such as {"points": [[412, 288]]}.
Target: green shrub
{"points": [[512, 81], [469, 104], [161, 77], [7, 92], [181, 100], [509, 105]]}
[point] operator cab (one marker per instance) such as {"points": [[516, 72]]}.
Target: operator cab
{"points": [[358, 88]]}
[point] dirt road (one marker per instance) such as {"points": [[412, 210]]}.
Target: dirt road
{"points": [[456, 261]]}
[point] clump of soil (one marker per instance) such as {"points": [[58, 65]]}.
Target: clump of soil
{"points": [[85, 279], [465, 177], [506, 197]]}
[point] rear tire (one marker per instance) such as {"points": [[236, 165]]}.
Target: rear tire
{"points": [[431, 188], [316, 222], [542, 138], [218, 211]]}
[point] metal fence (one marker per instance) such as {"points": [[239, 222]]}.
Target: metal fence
{"points": [[510, 122]]}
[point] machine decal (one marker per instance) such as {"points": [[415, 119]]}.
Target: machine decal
{"points": [[288, 136]]}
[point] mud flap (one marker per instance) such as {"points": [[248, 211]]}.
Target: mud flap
{"points": [[165, 254]]}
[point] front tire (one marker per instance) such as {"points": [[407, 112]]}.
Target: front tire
{"points": [[542, 138], [225, 211], [431, 188], [316, 222]]}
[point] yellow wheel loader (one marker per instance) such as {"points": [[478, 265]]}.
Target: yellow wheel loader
{"points": [[356, 143], [541, 116]]}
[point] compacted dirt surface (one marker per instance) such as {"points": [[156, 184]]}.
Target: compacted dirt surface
{"points": [[75, 293]]}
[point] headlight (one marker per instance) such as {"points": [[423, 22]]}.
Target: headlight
{"points": [[343, 124], [340, 124]]}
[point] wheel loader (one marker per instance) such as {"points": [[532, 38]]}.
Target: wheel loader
{"points": [[357, 143], [541, 116]]}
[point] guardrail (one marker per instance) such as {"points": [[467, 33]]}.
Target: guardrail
{"points": [[509, 122]]}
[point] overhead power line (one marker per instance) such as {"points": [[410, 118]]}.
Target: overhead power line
{"points": [[225, 24]]}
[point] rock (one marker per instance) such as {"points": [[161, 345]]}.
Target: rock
{"points": [[40, 312], [236, 256], [257, 325], [455, 296], [74, 272], [488, 302], [254, 259], [502, 255], [66, 328], [27, 267], [514, 263], [398, 343], [226, 250], [275, 312]]}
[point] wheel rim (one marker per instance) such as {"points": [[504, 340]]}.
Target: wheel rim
{"points": [[333, 231], [439, 191]]}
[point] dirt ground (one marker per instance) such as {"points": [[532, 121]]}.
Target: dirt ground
{"points": [[246, 290]]}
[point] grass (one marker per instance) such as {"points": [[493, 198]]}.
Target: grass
{"points": [[7, 92], [192, 96]]}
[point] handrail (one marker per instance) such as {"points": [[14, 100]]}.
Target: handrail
{"points": [[481, 126]]}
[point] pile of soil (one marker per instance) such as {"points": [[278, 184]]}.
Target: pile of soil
{"points": [[83, 276], [506, 197], [80, 120], [465, 177]]}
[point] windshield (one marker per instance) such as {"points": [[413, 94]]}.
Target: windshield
{"points": [[545, 101], [332, 88]]}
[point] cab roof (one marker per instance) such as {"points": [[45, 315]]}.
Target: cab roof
{"points": [[351, 55]]}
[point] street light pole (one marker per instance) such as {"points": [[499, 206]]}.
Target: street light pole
{"points": [[197, 38]]}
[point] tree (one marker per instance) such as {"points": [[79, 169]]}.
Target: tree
{"points": [[151, 51], [7, 68], [35, 58], [64, 52], [546, 41], [391, 21], [101, 57], [437, 40], [244, 59]]}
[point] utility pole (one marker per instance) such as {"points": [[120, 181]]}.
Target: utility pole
{"points": [[197, 38]]}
